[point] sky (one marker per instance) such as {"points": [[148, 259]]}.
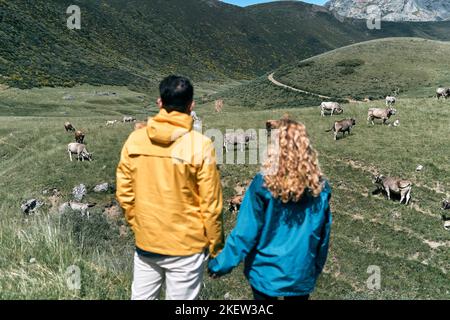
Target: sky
{"points": [[244, 3]]}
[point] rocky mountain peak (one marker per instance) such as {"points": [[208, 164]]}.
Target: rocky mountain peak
{"points": [[393, 10]]}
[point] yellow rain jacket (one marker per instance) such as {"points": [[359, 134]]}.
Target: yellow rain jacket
{"points": [[169, 186]]}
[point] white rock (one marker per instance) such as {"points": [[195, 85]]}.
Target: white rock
{"points": [[104, 187], [79, 192], [393, 10]]}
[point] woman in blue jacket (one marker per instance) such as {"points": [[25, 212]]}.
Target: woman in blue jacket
{"points": [[283, 226]]}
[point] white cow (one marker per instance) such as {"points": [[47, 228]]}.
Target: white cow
{"points": [[442, 92], [80, 150], [390, 101], [334, 107], [129, 119], [111, 122]]}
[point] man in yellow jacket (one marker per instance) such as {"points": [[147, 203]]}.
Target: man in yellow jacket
{"points": [[169, 187]]}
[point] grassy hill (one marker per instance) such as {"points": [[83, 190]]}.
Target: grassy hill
{"points": [[374, 69], [132, 43], [409, 244]]}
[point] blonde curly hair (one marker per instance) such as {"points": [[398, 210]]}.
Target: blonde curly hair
{"points": [[292, 166]]}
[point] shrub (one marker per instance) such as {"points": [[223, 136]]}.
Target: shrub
{"points": [[305, 64], [347, 71], [350, 63]]}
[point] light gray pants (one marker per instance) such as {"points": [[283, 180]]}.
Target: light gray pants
{"points": [[183, 277]]}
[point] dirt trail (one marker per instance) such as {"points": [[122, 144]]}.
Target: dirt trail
{"points": [[282, 85]]}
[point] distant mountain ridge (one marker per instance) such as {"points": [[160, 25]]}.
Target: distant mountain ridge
{"points": [[135, 42], [393, 10]]}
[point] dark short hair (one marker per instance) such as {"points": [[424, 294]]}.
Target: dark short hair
{"points": [[176, 93]]}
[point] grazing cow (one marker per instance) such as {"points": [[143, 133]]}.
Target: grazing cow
{"points": [[128, 119], [442, 93], [238, 138], [343, 126], [68, 126], [390, 101], [218, 105], [83, 208], [445, 205], [140, 125], [79, 137], [334, 107], [382, 114], [111, 122], [80, 150], [394, 185]]}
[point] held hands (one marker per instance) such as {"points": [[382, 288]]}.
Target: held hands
{"points": [[213, 275]]}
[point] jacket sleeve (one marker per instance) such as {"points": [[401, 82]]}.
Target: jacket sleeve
{"points": [[244, 236], [322, 253], [211, 200], [125, 193]]}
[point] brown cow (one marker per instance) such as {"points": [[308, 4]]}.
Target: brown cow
{"points": [[382, 114], [343, 126], [394, 185], [79, 137], [69, 127]]}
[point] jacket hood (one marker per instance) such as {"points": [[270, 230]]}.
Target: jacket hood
{"points": [[166, 127]]}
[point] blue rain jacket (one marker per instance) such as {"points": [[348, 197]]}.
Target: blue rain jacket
{"points": [[285, 246]]}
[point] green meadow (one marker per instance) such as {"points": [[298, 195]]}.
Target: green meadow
{"points": [[408, 243]]}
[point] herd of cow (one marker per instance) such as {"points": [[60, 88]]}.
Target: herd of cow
{"points": [[79, 148], [346, 125], [386, 185]]}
